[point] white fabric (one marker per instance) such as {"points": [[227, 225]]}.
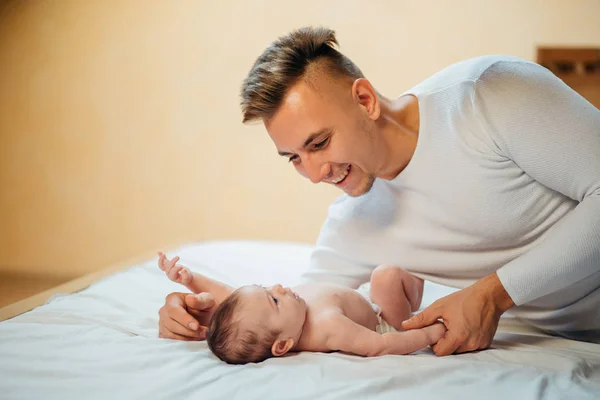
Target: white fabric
{"points": [[505, 177], [101, 343], [382, 325]]}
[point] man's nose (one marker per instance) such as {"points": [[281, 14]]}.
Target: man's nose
{"points": [[278, 288], [316, 172]]}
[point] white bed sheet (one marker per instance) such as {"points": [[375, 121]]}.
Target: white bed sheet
{"points": [[101, 343]]}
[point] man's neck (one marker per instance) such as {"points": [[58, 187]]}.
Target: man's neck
{"points": [[399, 129]]}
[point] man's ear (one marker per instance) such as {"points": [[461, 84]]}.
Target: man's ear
{"points": [[280, 347], [365, 94]]}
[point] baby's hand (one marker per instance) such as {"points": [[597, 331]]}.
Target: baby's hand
{"points": [[176, 272]]}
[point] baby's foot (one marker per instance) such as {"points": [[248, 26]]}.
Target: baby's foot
{"points": [[176, 272]]}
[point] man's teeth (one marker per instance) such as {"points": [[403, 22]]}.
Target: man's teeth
{"points": [[341, 176]]}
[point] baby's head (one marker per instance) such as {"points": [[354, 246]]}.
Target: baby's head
{"points": [[255, 323]]}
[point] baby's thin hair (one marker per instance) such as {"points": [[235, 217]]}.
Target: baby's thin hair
{"points": [[235, 344]]}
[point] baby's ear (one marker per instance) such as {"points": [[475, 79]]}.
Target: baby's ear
{"points": [[280, 347]]}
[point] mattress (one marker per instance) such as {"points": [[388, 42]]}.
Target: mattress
{"points": [[102, 343]]}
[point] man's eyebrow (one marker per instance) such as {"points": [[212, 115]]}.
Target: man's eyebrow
{"points": [[307, 142]]}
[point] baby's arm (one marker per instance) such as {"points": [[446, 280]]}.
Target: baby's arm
{"points": [[348, 336], [195, 282]]}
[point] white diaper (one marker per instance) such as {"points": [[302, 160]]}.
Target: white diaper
{"points": [[382, 327]]}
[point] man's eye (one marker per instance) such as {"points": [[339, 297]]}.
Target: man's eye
{"points": [[275, 300], [293, 158], [321, 144]]}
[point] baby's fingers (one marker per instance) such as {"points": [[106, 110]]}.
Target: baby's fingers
{"points": [[174, 275], [172, 263], [161, 261]]}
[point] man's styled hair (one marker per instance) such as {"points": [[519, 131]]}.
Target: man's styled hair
{"points": [[234, 344], [284, 63]]}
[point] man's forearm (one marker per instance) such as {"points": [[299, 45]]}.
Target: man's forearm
{"points": [[201, 283], [568, 254]]}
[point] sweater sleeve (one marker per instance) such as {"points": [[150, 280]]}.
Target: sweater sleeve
{"points": [[337, 255], [553, 134]]}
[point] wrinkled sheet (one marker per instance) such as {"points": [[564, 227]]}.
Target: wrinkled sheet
{"points": [[101, 343]]}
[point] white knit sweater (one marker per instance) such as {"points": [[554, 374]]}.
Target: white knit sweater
{"points": [[505, 177]]}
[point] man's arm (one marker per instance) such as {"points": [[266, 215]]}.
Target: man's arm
{"points": [[348, 336], [335, 258], [553, 135]]}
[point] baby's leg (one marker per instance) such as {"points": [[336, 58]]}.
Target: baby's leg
{"points": [[396, 292]]}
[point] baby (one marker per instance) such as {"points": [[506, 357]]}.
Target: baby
{"points": [[254, 323]]}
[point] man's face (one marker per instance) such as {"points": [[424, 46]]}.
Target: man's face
{"points": [[325, 132]]}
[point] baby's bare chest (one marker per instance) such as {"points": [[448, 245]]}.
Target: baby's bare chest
{"points": [[324, 299]]}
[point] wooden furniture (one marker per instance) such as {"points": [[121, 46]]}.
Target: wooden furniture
{"points": [[578, 67]]}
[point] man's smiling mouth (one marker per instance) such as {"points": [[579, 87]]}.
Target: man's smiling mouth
{"points": [[341, 176]]}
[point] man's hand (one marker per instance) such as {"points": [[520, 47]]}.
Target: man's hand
{"points": [[470, 315], [185, 316]]}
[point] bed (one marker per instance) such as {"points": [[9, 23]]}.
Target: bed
{"points": [[101, 343]]}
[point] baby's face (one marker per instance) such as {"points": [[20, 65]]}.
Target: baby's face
{"points": [[275, 308]]}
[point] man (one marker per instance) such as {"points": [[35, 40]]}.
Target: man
{"points": [[484, 177]]}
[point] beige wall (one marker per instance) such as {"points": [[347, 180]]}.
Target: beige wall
{"points": [[120, 129]]}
